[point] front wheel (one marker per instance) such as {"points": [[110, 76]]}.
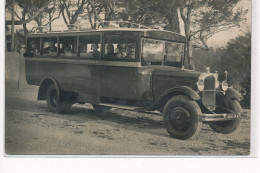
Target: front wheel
{"points": [[55, 103], [181, 117], [229, 126]]}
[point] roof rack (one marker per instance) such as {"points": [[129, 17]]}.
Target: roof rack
{"points": [[82, 27], [120, 24]]}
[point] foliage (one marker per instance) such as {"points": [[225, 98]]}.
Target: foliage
{"points": [[152, 13], [204, 18]]}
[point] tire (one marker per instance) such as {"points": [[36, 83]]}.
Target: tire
{"points": [[230, 126], [100, 108], [181, 116], [55, 103]]}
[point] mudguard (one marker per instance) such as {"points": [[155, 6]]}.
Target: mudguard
{"points": [[185, 90], [231, 94], [45, 82]]}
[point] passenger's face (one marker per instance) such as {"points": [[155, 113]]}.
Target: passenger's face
{"points": [[33, 46], [131, 50]]}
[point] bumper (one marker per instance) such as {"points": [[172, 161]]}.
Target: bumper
{"points": [[221, 117]]}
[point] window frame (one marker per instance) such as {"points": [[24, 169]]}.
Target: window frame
{"points": [[41, 46], [90, 34], [163, 58], [121, 33]]}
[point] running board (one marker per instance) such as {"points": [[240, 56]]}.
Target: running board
{"points": [[133, 108]]}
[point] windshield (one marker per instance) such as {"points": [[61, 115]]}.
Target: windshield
{"points": [[158, 52]]}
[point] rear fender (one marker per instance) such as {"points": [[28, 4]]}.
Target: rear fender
{"points": [[45, 83]]}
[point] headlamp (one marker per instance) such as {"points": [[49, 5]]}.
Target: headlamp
{"points": [[200, 84], [224, 85]]}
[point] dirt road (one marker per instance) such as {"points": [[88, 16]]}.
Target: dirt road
{"points": [[31, 129]]}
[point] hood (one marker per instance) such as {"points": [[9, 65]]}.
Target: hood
{"points": [[167, 71]]}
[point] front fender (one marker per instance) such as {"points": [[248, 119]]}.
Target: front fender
{"points": [[231, 94], [183, 90]]}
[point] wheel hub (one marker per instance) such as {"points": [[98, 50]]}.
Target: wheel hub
{"points": [[180, 119]]}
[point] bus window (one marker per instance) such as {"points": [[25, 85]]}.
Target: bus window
{"points": [[68, 46], [89, 46], [33, 47], [120, 47], [49, 46]]}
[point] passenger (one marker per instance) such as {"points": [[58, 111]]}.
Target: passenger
{"points": [[32, 50], [94, 48], [110, 51], [52, 47], [130, 51], [49, 47], [120, 51]]}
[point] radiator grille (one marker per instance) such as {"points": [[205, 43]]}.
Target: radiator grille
{"points": [[209, 93]]}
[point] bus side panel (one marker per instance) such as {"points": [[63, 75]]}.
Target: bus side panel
{"points": [[36, 70], [79, 77], [118, 82]]}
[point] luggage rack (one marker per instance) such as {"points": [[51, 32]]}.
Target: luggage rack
{"points": [[80, 27]]}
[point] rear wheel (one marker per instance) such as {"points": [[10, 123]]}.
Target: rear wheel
{"points": [[55, 103], [230, 126], [181, 117]]}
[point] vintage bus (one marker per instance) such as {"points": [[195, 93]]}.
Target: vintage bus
{"points": [[132, 68]]}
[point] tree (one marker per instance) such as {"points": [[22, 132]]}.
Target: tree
{"points": [[152, 13], [204, 18], [71, 9], [237, 61], [35, 7], [30, 9]]}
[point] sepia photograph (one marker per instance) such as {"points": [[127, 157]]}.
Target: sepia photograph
{"points": [[128, 78]]}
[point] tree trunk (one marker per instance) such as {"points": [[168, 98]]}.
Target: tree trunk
{"points": [[189, 55], [12, 29], [173, 19]]}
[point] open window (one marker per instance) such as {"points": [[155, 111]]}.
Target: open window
{"points": [[33, 47], [68, 46], [89, 46], [120, 47], [49, 46]]}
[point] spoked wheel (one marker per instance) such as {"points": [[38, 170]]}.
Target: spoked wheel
{"points": [[55, 103], [181, 117], [229, 126]]}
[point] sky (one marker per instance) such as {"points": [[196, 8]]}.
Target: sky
{"points": [[218, 40]]}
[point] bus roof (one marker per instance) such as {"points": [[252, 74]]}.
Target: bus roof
{"points": [[150, 33]]}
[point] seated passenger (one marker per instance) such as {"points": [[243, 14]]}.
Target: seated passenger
{"points": [[130, 51], [110, 51], [120, 51], [32, 50], [50, 47], [95, 52]]}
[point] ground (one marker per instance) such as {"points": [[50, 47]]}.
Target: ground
{"points": [[31, 129]]}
